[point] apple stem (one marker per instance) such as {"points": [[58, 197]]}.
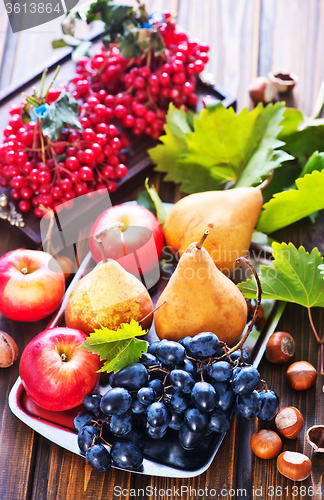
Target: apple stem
{"points": [[202, 241], [152, 312], [24, 270], [63, 357]]}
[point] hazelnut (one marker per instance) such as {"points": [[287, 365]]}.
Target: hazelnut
{"points": [[280, 347], [293, 465], [262, 90], [301, 375], [8, 350], [315, 437], [265, 444], [289, 422]]}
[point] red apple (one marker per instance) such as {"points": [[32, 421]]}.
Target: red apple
{"points": [[31, 284], [55, 372], [141, 240]]}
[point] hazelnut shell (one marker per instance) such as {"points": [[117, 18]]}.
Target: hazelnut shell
{"points": [[8, 350], [315, 437]]}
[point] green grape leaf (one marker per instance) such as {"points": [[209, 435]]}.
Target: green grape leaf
{"points": [[61, 113], [294, 277], [302, 135], [118, 348], [223, 147], [159, 208], [287, 207], [174, 143]]}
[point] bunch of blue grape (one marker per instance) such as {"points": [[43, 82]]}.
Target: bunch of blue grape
{"points": [[192, 386]]}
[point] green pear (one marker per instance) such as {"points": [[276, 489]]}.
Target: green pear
{"points": [[230, 217], [108, 296], [199, 297]]}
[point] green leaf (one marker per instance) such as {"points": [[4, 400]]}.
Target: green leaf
{"points": [[238, 148], [144, 199], [315, 162], [119, 348], [160, 210], [58, 44], [321, 267], [223, 147], [294, 277], [63, 112], [174, 143], [290, 206], [301, 135]]}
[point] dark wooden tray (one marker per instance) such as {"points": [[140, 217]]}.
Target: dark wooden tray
{"points": [[138, 161]]}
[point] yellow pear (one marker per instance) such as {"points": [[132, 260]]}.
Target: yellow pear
{"points": [[230, 217], [107, 296], [199, 297]]}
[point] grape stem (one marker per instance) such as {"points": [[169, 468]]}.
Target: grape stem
{"points": [[239, 345], [320, 341]]}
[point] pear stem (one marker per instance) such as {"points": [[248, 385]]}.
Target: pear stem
{"points": [[202, 241], [255, 312], [152, 312], [104, 231], [266, 181]]}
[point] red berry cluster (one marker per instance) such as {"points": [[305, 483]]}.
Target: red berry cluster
{"points": [[138, 91], [134, 94]]}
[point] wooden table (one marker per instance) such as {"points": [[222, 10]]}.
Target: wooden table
{"points": [[247, 38]]}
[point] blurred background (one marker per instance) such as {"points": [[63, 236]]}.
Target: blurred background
{"points": [[247, 38]]}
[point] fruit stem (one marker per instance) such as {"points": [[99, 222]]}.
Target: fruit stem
{"points": [[24, 270], [202, 241], [104, 231], [152, 312], [266, 181], [255, 312], [63, 356]]}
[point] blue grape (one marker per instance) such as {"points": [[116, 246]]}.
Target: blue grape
{"points": [[157, 414], [98, 458], [156, 432], [224, 395], [146, 395], [248, 406], [170, 353], [87, 436], [132, 377], [218, 421], [138, 407], [181, 381], [237, 354], [185, 342], [92, 402], [116, 401], [149, 360], [204, 344], [179, 402], [196, 421], [220, 371], [126, 455], [245, 381], [203, 396], [187, 366], [158, 387], [176, 420], [152, 347], [269, 405], [135, 436], [121, 424], [84, 418], [188, 439]]}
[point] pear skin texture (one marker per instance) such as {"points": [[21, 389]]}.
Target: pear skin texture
{"points": [[107, 296], [200, 298], [230, 216]]}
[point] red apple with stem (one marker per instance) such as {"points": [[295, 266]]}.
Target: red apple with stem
{"points": [[55, 372], [137, 246], [32, 284]]}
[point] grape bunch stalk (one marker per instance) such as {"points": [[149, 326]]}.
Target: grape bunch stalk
{"points": [[192, 386]]}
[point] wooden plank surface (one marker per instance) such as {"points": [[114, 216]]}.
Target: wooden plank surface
{"points": [[247, 38]]}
